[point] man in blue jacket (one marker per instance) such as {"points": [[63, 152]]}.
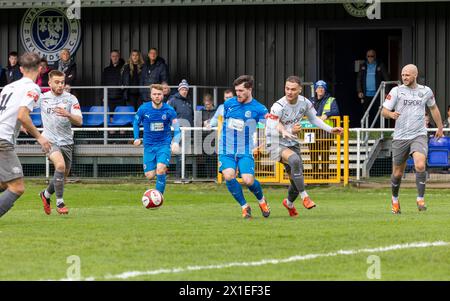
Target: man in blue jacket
{"points": [[154, 71]]}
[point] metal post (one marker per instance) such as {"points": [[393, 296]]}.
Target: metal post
{"points": [[382, 97], [358, 154], [105, 115], [216, 97], [183, 154], [194, 104], [47, 167]]}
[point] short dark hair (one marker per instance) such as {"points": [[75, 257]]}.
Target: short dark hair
{"points": [[247, 80], [208, 97], [44, 60], [54, 73], [115, 50], [13, 53], [153, 48], [448, 108], [228, 91], [30, 61], [294, 79]]}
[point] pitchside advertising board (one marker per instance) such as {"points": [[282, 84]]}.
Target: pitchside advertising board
{"points": [[47, 31]]}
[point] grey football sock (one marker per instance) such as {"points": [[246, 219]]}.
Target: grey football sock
{"points": [[292, 192], [395, 184], [51, 187], [58, 180], [7, 199], [296, 165], [421, 178]]}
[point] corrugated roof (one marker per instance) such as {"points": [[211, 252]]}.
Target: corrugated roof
{"points": [[127, 3]]}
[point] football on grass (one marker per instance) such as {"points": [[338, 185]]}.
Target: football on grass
{"points": [[152, 199]]}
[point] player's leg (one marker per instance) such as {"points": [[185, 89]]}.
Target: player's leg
{"points": [[11, 177], [400, 152], [162, 161], [227, 166], [246, 165], [419, 149], [14, 189], [292, 158]]}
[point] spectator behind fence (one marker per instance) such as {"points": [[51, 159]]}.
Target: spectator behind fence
{"points": [[154, 71], [112, 76], [131, 76], [447, 122], [326, 107], [167, 92], [67, 65], [2, 76], [13, 69], [208, 110], [219, 111], [371, 73], [185, 116], [42, 80]]}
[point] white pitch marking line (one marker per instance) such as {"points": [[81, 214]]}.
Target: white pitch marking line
{"points": [[133, 274]]}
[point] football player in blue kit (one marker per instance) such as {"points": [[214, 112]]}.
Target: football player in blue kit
{"points": [[157, 118], [241, 116]]}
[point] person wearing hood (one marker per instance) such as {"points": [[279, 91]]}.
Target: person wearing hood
{"points": [[13, 69], [42, 80], [112, 76], [67, 65], [326, 107], [154, 71]]}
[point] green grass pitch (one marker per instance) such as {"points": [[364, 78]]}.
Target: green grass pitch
{"points": [[201, 225]]}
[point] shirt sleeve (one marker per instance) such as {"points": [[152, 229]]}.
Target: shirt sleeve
{"points": [[137, 120], [75, 107], [430, 100], [310, 111], [31, 97], [391, 99], [276, 109]]}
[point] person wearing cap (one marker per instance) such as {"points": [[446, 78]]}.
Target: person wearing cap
{"points": [[326, 107], [185, 115]]}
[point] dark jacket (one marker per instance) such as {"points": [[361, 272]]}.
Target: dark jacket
{"points": [[207, 115], [70, 72], [13, 74], [128, 79], [2, 76], [380, 75], [42, 80], [183, 107], [111, 76], [153, 74], [320, 104]]}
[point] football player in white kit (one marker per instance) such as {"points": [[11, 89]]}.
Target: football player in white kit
{"points": [[406, 104], [283, 127], [59, 110], [17, 100]]}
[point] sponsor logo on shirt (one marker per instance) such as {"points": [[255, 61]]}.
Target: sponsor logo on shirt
{"points": [[33, 95], [412, 102]]}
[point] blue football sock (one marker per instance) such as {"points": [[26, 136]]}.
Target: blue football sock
{"points": [[236, 190], [161, 183], [256, 189]]}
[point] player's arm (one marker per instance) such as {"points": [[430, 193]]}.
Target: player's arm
{"points": [[175, 147], [273, 123], [137, 120], [389, 105], [311, 115], [24, 117], [74, 115], [434, 110]]}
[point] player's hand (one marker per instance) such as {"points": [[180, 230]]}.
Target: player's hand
{"points": [[287, 135], [439, 133], [175, 148], [296, 129], [257, 150], [137, 142], [337, 131], [46, 146], [394, 115], [23, 130], [61, 112]]}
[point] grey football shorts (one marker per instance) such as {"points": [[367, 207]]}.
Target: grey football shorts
{"points": [[66, 151], [10, 167], [275, 150], [401, 149]]}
